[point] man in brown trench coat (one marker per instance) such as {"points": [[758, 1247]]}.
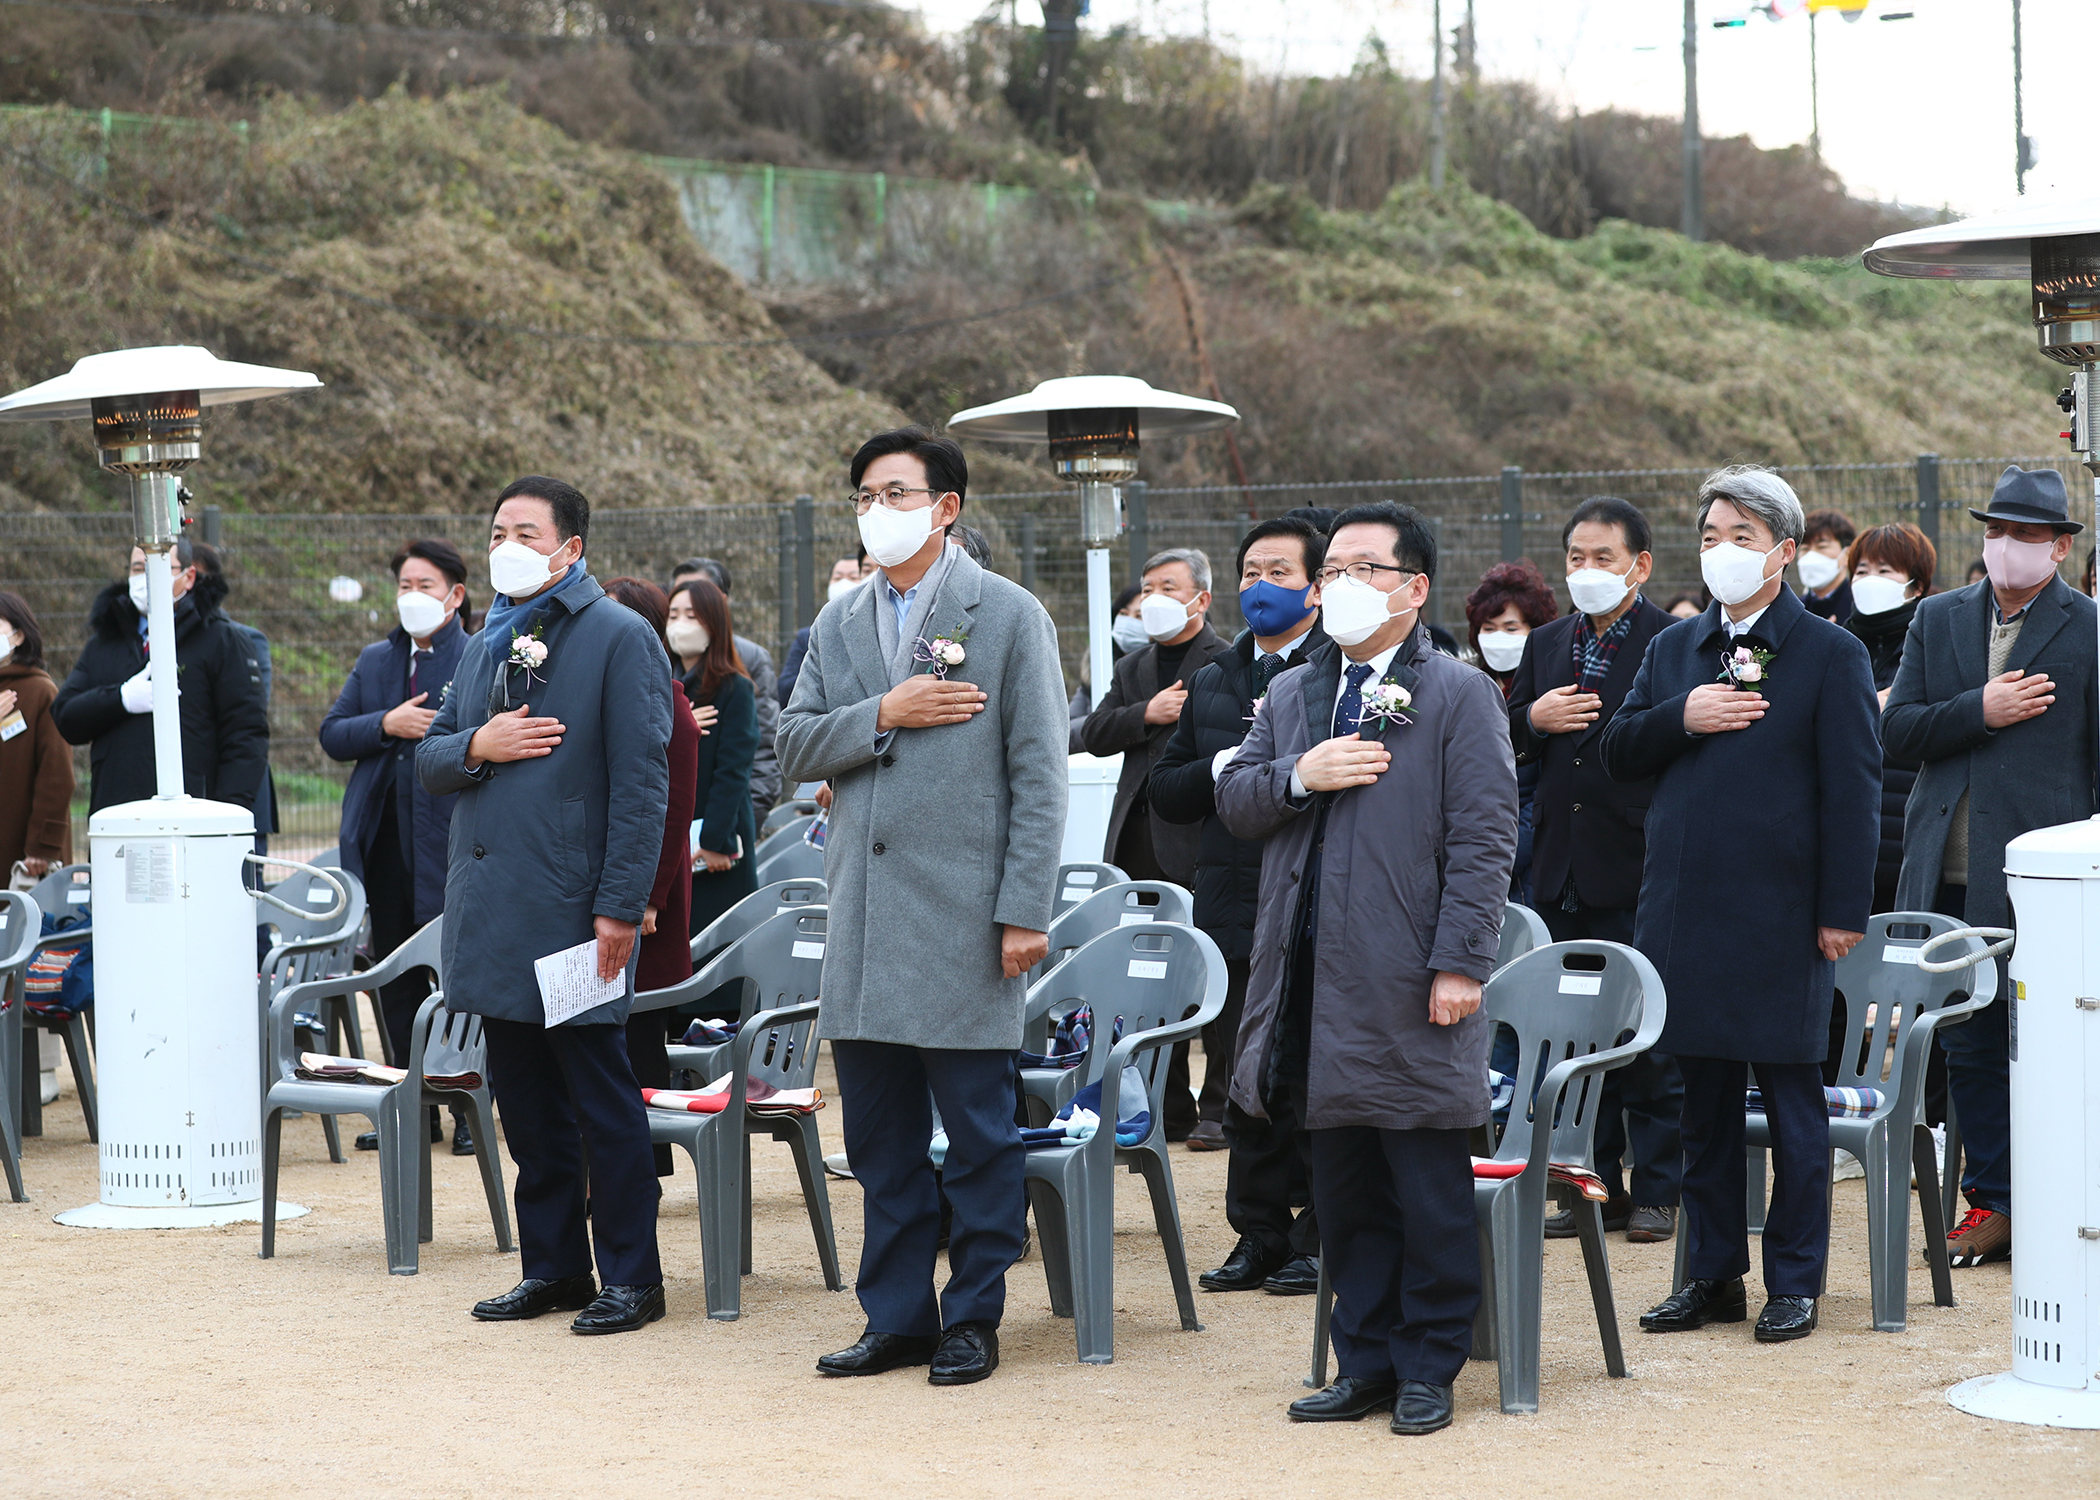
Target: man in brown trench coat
{"points": [[1390, 839]]}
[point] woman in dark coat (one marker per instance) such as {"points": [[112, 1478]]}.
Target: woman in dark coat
{"points": [[36, 764], [1512, 600], [1902, 558], [724, 871], [665, 955]]}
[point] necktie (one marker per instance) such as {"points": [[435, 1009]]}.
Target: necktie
{"points": [[1266, 666], [415, 669], [1350, 706]]}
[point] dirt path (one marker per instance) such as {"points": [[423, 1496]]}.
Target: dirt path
{"points": [[179, 1364]]}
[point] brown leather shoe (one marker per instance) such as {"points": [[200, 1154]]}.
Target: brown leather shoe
{"points": [[1983, 1235], [1651, 1226]]}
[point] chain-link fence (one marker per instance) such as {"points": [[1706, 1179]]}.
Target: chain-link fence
{"points": [[779, 556]]}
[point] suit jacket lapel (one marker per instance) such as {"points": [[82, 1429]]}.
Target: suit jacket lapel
{"points": [[1402, 671], [864, 639], [2045, 616], [961, 589], [1972, 634], [1323, 681]]}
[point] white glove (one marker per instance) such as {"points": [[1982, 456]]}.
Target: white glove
{"points": [[138, 693], [1217, 762]]}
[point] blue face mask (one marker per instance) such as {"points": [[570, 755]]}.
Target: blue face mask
{"points": [[1273, 610]]}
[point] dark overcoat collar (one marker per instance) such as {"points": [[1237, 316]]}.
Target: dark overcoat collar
{"points": [[1770, 631], [1325, 666]]}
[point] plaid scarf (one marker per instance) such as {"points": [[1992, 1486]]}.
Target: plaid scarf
{"points": [[1594, 653]]}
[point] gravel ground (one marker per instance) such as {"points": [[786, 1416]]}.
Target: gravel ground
{"points": [[177, 1363]]}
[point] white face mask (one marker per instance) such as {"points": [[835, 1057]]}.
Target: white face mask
{"points": [[421, 614], [895, 536], [1163, 616], [687, 637], [1734, 573], [1128, 632], [137, 585], [1353, 612], [1875, 595], [8, 641], [516, 569], [1502, 650], [1597, 591], [1818, 571], [839, 588]]}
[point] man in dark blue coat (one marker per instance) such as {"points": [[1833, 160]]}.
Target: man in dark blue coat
{"points": [[556, 737], [393, 832], [1757, 721], [1587, 841]]}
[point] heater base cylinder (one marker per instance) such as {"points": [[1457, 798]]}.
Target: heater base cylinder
{"points": [[2008, 1398], [211, 1216]]}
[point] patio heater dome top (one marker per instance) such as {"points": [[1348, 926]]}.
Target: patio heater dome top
{"points": [[1026, 419], [2054, 246], [140, 372]]}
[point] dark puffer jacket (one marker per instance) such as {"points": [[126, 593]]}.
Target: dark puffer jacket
{"points": [[1883, 635], [1216, 716], [225, 731]]}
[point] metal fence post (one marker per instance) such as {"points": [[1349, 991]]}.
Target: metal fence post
{"points": [[1929, 497], [1135, 527], [1028, 552], [765, 228], [805, 559], [208, 523], [1512, 512], [788, 625], [1436, 592]]}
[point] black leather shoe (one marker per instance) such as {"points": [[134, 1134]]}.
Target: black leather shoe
{"points": [[1297, 1277], [462, 1137], [1617, 1213], [1698, 1304], [622, 1309], [1785, 1319], [528, 1299], [1421, 1407], [969, 1351], [369, 1141], [1244, 1270], [879, 1353], [1350, 1399]]}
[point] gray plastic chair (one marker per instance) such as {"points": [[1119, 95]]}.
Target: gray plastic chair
{"points": [[787, 812], [794, 860], [804, 894], [1522, 930], [1882, 972], [303, 949], [782, 959], [785, 835], [1166, 983], [1574, 1033], [439, 1042], [1123, 903], [1077, 882], [63, 891], [19, 921]]}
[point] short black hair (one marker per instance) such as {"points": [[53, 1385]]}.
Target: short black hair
{"points": [[436, 551], [1414, 544], [946, 468], [1294, 523], [1831, 523], [974, 542], [704, 567], [1612, 511], [1124, 595], [572, 513]]}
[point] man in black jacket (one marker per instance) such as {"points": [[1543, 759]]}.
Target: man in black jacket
{"points": [[1588, 842], [1265, 1177], [107, 701], [1134, 720]]}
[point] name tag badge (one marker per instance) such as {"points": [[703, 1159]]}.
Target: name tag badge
{"points": [[1074, 893], [1147, 968], [319, 895], [12, 725], [77, 896], [1582, 984], [1895, 953], [1135, 919], [805, 949]]}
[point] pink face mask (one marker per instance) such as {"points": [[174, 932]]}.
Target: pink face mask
{"points": [[2015, 564]]}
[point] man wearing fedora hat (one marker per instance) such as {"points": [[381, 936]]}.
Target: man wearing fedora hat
{"points": [[1996, 698]]}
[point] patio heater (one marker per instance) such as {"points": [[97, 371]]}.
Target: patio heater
{"points": [[1092, 424], [2053, 876], [177, 1041]]}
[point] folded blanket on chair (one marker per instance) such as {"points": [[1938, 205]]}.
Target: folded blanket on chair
{"points": [[760, 1098], [319, 1067], [1069, 1041], [1844, 1104], [709, 1033], [1582, 1179]]}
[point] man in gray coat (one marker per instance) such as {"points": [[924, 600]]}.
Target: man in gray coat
{"points": [[555, 734], [1996, 696], [932, 701], [1381, 775]]}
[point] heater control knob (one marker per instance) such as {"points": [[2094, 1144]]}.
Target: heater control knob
{"points": [[2067, 399]]}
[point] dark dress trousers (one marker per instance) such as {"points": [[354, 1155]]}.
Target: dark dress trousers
{"points": [[2034, 774], [394, 833], [1365, 895], [1588, 844], [225, 730], [1756, 838], [1267, 1176], [539, 849]]}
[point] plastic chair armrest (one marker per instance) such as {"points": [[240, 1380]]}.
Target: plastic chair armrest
{"points": [[700, 983], [746, 1038], [61, 939]]}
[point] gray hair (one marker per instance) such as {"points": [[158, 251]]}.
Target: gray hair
{"points": [[1758, 491], [1194, 558]]}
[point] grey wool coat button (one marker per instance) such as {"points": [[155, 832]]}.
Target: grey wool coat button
{"points": [[479, 852], [878, 848]]}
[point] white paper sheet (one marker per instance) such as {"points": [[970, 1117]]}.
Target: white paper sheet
{"points": [[569, 982]]}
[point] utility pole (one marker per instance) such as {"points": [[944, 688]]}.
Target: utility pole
{"points": [[1815, 89], [2019, 121], [1693, 224], [1436, 95]]}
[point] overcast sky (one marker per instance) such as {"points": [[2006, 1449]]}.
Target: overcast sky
{"points": [[1918, 110]]}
